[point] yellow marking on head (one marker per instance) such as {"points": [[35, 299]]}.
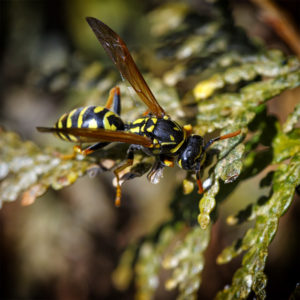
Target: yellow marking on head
{"points": [[176, 128], [179, 163], [60, 121], [155, 141], [93, 124], [98, 109], [166, 117], [69, 119], [150, 128], [157, 146], [138, 121], [80, 117], [199, 154], [172, 137]]}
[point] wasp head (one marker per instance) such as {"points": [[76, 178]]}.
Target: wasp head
{"points": [[192, 153]]}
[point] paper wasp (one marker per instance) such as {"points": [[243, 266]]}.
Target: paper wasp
{"points": [[156, 133]]}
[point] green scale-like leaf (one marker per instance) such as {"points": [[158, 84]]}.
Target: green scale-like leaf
{"points": [[28, 171], [257, 239]]}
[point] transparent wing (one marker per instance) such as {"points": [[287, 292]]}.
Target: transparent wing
{"points": [[92, 135], [119, 53]]}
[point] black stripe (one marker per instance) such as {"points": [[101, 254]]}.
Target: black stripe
{"points": [[87, 116], [75, 116], [100, 116], [64, 121], [64, 125]]}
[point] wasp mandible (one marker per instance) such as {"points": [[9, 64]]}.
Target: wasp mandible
{"points": [[156, 134]]}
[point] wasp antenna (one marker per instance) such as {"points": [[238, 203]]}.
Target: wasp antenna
{"points": [[222, 137]]}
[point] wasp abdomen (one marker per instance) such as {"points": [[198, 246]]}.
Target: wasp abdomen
{"points": [[88, 117]]}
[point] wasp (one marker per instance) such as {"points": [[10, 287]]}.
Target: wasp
{"points": [[155, 133]]}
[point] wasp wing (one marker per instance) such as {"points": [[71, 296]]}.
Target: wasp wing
{"points": [[120, 55], [92, 135]]}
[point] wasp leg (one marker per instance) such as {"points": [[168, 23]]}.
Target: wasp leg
{"points": [[89, 150], [68, 156], [114, 100], [198, 173], [78, 150], [199, 183], [127, 163]]}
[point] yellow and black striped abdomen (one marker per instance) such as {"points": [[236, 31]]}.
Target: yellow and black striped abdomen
{"points": [[88, 117]]}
